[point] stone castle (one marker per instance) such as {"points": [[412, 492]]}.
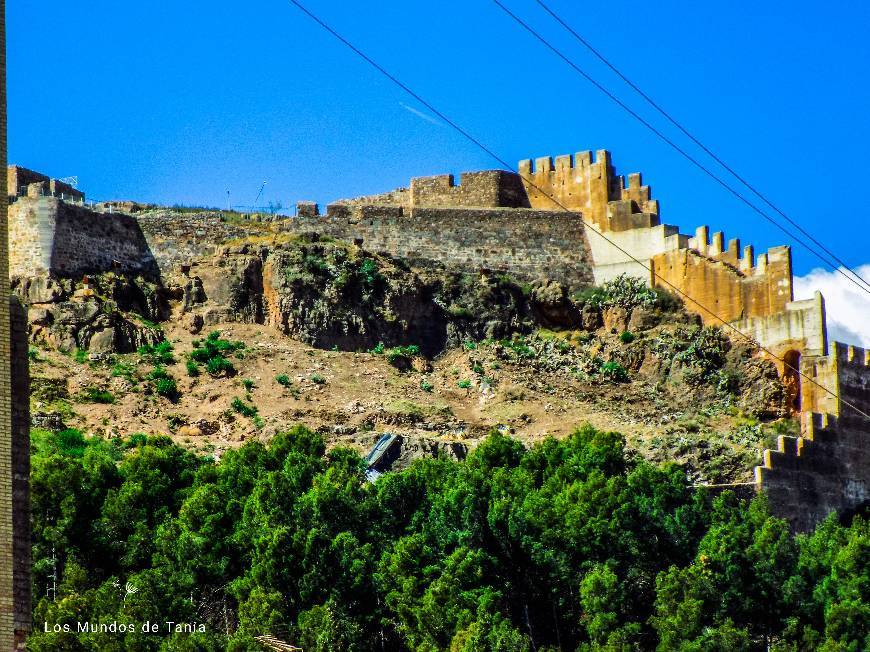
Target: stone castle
{"points": [[571, 219]]}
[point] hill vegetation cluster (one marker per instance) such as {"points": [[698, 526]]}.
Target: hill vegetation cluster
{"points": [[568, 544]]}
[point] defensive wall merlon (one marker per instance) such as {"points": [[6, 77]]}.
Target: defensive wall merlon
{"points": [[826, 469], [21, 182]]}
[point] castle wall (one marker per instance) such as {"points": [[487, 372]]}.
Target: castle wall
{"points": [[486, 189], [800, 327], [529, 244], [727, 286], [19, 181], [853, 378], [176, 240], [48, 234], [826, 469], [18, 178], [611, 253], [584, 183]]}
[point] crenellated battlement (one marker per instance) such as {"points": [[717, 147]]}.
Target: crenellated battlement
{"points": [[849, 354], [485, 189], [589, 184], [743, 259], [825, 469]]}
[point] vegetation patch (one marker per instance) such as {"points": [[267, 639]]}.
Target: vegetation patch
{"points": [[97, 395], [212, 353], [157, 354], [627, 292], [568, 544]]}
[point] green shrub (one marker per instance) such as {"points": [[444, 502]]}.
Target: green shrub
{"points": [[166, 387], [426, 386], [627, 292], [283, 380], [243, 408], [164, 384], [192, 368], [518, 347], [160, 353], [626, 337], [317, 379], [464, 384], [379, 349], [212, 352], [80, 356], [219, 365], [400, 356], [702, 351], [125, 370], [248, 384], [96, 395], [614, 371], [33, 354]]}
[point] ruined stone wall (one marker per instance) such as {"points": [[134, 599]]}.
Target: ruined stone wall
{"points": [[826, 469], [486, 189], [178, 239], [397, 197], [853, 378], [48, 234], [18, 178], [528, 244]]}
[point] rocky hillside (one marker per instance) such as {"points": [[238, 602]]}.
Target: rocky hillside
{"points": [[275, 330]]}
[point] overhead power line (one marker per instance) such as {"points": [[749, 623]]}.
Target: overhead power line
{"points": [[864, 287], [695, 140], [468, 136]]}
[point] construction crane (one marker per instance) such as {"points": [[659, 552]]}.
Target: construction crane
{"points": [[254, 207]]}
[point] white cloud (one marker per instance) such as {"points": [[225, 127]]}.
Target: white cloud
{"points": [[848, 306]]}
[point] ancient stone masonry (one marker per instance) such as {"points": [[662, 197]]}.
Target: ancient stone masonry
{"points": [[47, 234], [826, 469], [527, 243], [21, 182], [589, 184], [570, 219]]}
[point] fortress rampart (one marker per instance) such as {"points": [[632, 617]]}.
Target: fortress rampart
{"points": [[21, 182], [824, 470], [48, 234], [507, 222]]}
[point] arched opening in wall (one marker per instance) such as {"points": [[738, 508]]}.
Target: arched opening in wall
{"points": [[791, 379]]}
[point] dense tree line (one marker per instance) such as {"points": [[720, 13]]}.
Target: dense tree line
{"points": [[568, 545]]}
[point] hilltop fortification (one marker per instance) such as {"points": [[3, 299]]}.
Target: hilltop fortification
{"points": [[571, 219]]}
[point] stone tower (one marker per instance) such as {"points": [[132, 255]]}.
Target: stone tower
{"points": [[14, 425]]}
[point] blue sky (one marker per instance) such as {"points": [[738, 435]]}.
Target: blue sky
{"points": [[172, 101]]}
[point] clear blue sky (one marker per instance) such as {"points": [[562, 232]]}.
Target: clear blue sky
{"points": [[171, 101]]}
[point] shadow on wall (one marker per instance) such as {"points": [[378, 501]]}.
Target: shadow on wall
{"points": [[87, 242], [49, 235]]}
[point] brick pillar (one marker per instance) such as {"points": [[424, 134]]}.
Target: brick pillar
{"points": [[14, 425]]}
